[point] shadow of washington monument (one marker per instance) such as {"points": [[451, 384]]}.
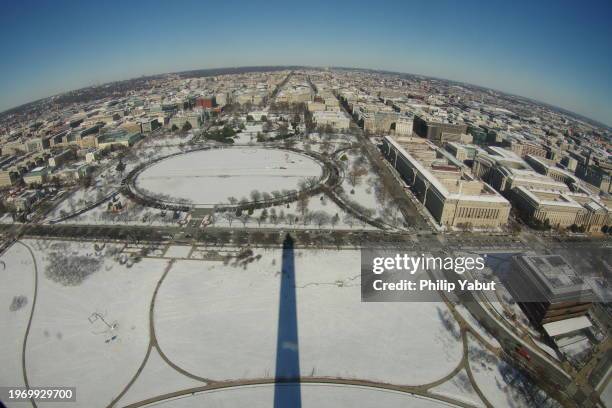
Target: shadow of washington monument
{"points": [[287, 392]]}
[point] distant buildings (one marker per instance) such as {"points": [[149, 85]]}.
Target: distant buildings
{"points": [[195, 119], [36, 176], [118, 138], [337, 120]]}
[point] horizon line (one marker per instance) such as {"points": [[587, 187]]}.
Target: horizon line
{"points": [[576, 116]]}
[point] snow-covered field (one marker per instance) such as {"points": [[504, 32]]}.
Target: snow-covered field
{"points": [[212, 176], [16, 282], [460, 388], [157, 378], [233, 312], [502, 384], [92, 336], [219, 319]]}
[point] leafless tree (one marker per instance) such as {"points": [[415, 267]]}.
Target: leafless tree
{"points": [[255, 195], [355, 174], [244, 218], [262, 217], [320, 218], [302, 204], [348, 220], [281, 216], [335, 220], [312, 182], [229, 216]]}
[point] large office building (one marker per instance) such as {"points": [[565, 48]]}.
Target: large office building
{"points": [[562, 209], [548, 289], [444, 187], [337, 120], [505, 170], [437, 130], [380, 121], [550, 169]]}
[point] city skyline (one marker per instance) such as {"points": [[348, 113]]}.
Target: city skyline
{"points": [[550, 54]]}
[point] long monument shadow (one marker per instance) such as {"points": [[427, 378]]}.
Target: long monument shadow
{"points": [[287, 392]]}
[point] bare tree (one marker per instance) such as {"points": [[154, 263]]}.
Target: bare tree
{"points": [[320, 218], [355, 174], [335, 220], [244, 218], [273, 216], [281, 216], [302, 204], [312, 181], [306, 218], [262, 217], [232, 200], [348, 220], [229, 216], [255, 195]]}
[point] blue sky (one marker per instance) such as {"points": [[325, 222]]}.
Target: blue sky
{"points": [[558, 52]]}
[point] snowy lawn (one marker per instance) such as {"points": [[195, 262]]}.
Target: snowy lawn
{"points": [[210, 177], [16, 297], [460, 388], [91, 335], [232, 311], [502, 384]]}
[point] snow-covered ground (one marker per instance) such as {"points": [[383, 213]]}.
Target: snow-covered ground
{"points": [[178, 251], [312, 396], [460, 388], [210, 177], [131, 214], [363, 188], [502, 384], [233, 312], [157, 378], [219, 319], [16, 297], [474, 324], [94, 335]]}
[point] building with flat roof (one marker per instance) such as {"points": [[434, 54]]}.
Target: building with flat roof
{"points": [[549, 168], [380, 121], [432, 129], [118, 138], [548, 289], [505, 170], [462, 152], [37, 175], [562, 209], [443, 185], [337, 120]]}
